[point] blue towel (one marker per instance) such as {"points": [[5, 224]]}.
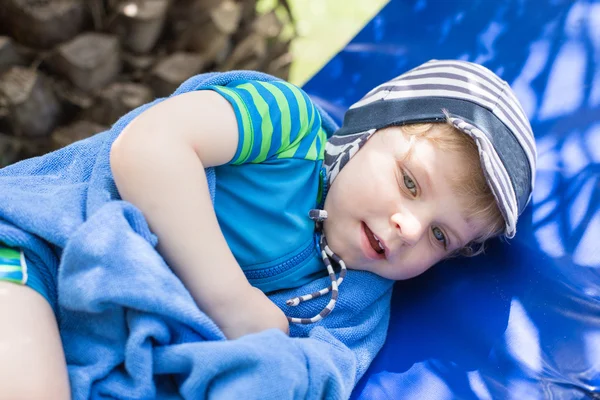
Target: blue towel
{"points": [[129, 327]]}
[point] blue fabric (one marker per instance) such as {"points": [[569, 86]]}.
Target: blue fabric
{"points": [[262, 207], [521, 321], [129, 327], [266, 227]]}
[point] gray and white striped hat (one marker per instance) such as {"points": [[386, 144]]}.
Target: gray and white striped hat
{"points": [[479, 104]]}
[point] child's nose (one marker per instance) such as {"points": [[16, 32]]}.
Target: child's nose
{"points": [[408, 227]]}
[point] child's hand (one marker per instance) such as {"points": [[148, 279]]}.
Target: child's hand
{"points": [[251, 311]]}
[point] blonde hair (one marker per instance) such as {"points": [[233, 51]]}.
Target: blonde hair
{"points": [[476, 195]]}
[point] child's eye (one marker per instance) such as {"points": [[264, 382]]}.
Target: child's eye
{"points": [[410, 184], [439, 236]]}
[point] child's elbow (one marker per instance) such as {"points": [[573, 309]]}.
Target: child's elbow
{"points": [[121, 158], [127, 148]]}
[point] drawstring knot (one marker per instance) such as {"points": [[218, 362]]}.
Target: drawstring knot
{"points": [[317, 215]]}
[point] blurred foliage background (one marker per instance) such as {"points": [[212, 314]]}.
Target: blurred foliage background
{"points": [[322, 28], [71, 68]]}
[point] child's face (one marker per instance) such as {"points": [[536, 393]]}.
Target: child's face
{"points": [[408, 205]]}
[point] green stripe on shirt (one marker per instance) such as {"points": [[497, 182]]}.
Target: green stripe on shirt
{"points": [[266, 130], [312, 151], [291, 150], [7, 252], [11, 269], [247, 128], [323, 136], [284, 109]]}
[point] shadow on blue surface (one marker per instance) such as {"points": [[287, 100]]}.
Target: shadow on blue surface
{"points": [[522, 322]]}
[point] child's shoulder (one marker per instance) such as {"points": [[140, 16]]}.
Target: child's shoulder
{"points": [[276, 119]]}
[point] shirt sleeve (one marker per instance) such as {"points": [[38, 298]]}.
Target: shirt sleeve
{"points": [[275, 120]]}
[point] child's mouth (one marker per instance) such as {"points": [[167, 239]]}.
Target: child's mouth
{"points": [[374, 241]]}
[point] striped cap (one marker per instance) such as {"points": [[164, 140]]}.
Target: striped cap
{"points": [[479, 104]]}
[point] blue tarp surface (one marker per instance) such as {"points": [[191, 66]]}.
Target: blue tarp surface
{"points": [[522, 322]]}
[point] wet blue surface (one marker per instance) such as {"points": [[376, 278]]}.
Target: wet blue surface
{"points": [[522, 322]]}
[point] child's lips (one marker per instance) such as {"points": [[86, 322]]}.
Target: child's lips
{"points": [[366, 245]]}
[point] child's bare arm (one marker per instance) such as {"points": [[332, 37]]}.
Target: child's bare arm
{"points": [[158, 165]]}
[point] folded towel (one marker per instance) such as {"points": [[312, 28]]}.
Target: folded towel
{"points": [[129, 327]]}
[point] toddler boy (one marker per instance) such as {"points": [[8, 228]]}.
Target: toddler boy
{"points": [[427, 165]]}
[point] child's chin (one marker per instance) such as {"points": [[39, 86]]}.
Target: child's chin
{"points": [[360, 266]]}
